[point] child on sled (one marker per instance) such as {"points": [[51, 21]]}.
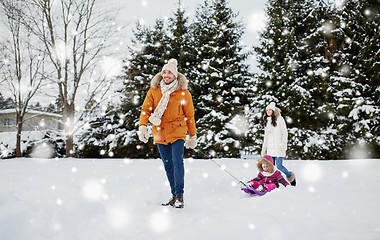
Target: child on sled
{"points": [[269, 177]]}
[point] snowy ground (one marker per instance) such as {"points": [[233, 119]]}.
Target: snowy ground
{"points": [[120, 199]]}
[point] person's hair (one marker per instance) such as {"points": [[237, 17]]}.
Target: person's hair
{"points": [[274, 119]]}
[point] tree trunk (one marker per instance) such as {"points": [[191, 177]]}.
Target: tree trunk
{"points": [[18, 137], [18, 143], [70, 146], [68, 119]]}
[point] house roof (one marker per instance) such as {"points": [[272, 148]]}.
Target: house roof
{"points": [[31, 112]]}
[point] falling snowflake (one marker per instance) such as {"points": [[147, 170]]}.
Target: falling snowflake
{"points": [[62, 52], [251, 226], [160, 221], [312, 172], [238, 124], [117, 216], [345, 70], [311, 189], [328, 27], [93, 190], [56, 226], [59, 201], [111, 67], [43, 150], [359, 151]]}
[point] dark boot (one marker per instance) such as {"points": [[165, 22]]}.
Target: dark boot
{"points": [[179, 203], [292, 179], [293, 183], [170, 202]]}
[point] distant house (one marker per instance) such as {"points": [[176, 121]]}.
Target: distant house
{"points": [[33, 120]]}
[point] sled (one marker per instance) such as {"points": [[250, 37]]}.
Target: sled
{"points": [[251, 190]]}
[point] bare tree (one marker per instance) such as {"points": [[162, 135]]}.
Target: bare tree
{"points": [[22, 69], [77, 37]]}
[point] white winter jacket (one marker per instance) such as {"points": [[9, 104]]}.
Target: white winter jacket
{"points": [[275, 138]]}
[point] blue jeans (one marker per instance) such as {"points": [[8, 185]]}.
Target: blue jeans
{"points": [[172, 157], [278, 161]]}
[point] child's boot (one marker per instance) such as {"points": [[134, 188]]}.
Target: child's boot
{"points": [[292, 179]]}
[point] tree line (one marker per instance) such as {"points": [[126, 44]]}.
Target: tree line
{"points": [[317, 61]]}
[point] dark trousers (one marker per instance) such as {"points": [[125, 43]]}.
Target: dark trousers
{"points": [[172, 158]]}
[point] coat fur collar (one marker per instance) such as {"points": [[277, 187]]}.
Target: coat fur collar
{"points": [[183, 82], [277, 112]]}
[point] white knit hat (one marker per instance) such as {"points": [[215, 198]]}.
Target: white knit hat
{"points": [[271, 106], [171, 66]]}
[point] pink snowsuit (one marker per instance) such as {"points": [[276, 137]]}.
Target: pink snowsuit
{"points": [[270, 179]]}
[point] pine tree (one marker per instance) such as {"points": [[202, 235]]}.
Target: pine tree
{"points": [[317, 138], [270, 57], [294, 58], [147, 60], [219, 89], [355, 84], [6, 103], [180, 42], [319, 64]]}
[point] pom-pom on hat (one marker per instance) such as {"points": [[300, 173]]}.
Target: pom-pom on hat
{"points": [[171, 66], [272, 106]]}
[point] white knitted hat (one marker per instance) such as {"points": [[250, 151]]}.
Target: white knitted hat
{"points": [[171, 66], [271, 106]]}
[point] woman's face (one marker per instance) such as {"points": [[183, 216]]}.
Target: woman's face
{"points": [[269, 112]]}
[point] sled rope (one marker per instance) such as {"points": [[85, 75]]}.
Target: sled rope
{"points": [[212, 160]]}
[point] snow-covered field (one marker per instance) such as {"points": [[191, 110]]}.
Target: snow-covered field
{"points": [[120, 199]]}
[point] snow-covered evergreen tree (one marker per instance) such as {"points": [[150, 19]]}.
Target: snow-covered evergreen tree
{"points": [[311, 135], [221, 79], [355, 84], [315, 63], [6, 103], [180, 44], [295, 56]]}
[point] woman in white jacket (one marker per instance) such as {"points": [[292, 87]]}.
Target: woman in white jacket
{"points": [[276, 139]]}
